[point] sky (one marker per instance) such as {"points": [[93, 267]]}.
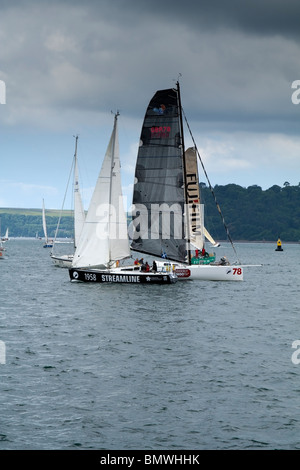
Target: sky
{"points": [[67, 66]]}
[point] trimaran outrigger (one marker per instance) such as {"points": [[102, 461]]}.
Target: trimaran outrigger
{"points": [[168, 217]]}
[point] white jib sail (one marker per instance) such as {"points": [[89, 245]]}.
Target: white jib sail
{"points": [[210, 238], [198, 232], [100, 241], [44, 222], [195, 210]]}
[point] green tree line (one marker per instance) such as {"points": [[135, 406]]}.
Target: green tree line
{"points": [[249, 213], [252, 213], [20, 223]]}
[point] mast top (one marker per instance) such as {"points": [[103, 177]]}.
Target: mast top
{"points": [[116, 114]]}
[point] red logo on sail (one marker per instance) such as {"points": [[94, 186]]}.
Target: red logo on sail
{"points": [[160, 132]]}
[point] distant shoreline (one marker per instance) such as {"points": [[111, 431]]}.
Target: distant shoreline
{"points": [[270, 242]]}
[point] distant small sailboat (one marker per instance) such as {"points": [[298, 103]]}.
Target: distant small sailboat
{"points": [[48, 243], [279, 245], [2, 241], [5, 238]]}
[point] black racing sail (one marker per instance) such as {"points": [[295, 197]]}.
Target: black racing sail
{"points": [[158, 226]]}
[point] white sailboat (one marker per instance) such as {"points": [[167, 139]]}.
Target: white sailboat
{"points": [[48, 242], [168, 217], [104, 239], [2, 251], [2, 241], [65, 261], [5, 238]]}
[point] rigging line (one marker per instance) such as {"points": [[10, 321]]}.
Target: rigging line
{"points": [[62, 208], [210, 187]]}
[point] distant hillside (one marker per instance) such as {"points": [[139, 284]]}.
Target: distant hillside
{"points": [[254, 214], [37, 212], [250, 214], [28, 222]]}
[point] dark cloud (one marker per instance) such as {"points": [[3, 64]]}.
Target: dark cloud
{"points": [[67, 64], [258, 17], [237, 59], [265, 17]]}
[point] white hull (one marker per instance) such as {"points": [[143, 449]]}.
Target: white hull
{"points": [[62, 261], [205, 272], [210, 273]]}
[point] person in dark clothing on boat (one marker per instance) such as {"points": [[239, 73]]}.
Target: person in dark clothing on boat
{"points": [[154, 266], [143, 266]]}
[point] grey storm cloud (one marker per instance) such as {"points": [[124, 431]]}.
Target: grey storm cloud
{"points": [[67, 64], [237, 60], [257, 17]]}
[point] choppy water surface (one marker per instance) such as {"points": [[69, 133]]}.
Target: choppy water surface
{"points": [[195, 365]]}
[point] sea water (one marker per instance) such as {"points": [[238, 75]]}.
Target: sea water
{"points": [[194, 365]]}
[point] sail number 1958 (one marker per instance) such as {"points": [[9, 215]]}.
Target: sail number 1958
{"points": [[237, 271], [90, 277]]}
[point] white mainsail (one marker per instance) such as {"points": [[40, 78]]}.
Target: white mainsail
{"points": [[104, 236], [44, 223]]}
